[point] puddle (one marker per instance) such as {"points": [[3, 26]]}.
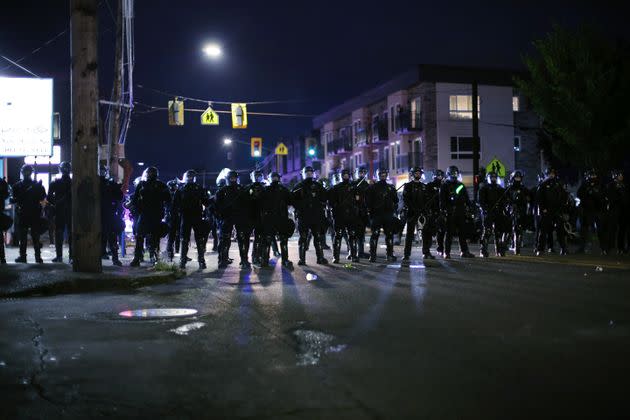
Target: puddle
{"points": [[185, 329], [312, 345], [157, 313]]}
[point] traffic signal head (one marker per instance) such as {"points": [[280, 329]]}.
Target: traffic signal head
{"points": [[256, 147]]}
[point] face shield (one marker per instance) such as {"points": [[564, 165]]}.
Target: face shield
{"points": [[189, 177]]}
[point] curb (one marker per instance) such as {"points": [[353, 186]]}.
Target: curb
{"points": [[86, 285]]}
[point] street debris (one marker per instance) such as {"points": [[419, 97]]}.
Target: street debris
{"points": [[311, 276], [312, 345], [599, 268], [185, 329]]}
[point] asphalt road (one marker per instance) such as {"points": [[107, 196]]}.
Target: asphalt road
{"points": [[516, 337]]}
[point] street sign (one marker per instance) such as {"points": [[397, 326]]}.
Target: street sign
{"points": [[239, 115], [209, 117], [497, 166], [281, 149]]}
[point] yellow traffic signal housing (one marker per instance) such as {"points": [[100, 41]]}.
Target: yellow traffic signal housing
{"points": [[256, 147], [176, 112], [239, 115]]}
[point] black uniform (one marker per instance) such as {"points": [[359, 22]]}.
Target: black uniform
{"points": [[592, 206], [189, 202], [150, 200], [210, 213], [233, 208], [27, 195], [416, 196], [453, 204], [382, 202], [60, 198], [309, 201], [518, 199], [493, 204], [551, 200], [434, 220], [112, 223], [345, 213], [4, 194], [618, 201], [173, 220], [255, 190], [274, 206], [360, 193]]}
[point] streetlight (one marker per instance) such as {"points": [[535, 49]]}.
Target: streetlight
{"points": [[227, 141], [140, 163], [212, 50]]}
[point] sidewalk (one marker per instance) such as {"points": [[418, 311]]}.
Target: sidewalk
{"points": [[20, 280]]}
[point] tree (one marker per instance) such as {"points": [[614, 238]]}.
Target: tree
{"points": [[578, 83]]}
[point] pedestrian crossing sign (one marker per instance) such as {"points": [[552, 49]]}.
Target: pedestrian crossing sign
{"points": [[209, 117], [497, 166], [281, 149]]}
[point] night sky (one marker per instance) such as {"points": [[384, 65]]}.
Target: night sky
{"points": [[316, 53]]}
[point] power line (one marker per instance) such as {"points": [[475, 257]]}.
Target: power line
{"points": [[206, 101], [50, 41], [21, 67], [268, 114]]}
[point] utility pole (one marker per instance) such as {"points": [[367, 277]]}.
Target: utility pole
{"points": [[113, 147], [475, 135], [86, 197]]}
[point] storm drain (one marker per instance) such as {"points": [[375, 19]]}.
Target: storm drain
{"points": [[312, 345], [154, 313]]}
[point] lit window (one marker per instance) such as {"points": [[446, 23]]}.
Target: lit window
{"points": [[516, 104], [460, 107], [461, 147]]}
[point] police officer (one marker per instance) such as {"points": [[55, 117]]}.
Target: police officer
{"points": [[592, 206], [453, 204], [173, 220], [274, 206], [551, 197], [518, 201], [618, 199], [492, 201], [60, 198], [382, 201], [150, 198], [112, 224], [309, 201], [189, 202], [255, 190], [5, 221], [27, 196], [416, 198], [361, 185], [345, 212], [233, 207], [434, 221]]}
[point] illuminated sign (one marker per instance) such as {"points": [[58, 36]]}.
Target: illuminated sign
{"points": [[26, 116], [55, 159]]}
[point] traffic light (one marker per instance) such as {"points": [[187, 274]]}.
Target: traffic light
{"points": [[256, 147], [176, 112], [239, 115], [311, 147]]}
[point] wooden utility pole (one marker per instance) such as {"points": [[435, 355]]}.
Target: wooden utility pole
{"points": [[475, 135], [113, 147], [86, 197]]}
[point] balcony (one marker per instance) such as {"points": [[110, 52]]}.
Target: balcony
{"points": [[380, 133], [408, 122], [361, 137], [338, 146]]}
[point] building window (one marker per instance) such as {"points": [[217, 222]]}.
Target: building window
{"points": [[416, 112], [517, 143], [356, 127], [462, 147], [516, 103], [460, 107], [391, 123], [385, 162]]}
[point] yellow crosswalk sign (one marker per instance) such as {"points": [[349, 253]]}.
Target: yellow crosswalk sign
{"points": [[209, 117], [281, 149]]}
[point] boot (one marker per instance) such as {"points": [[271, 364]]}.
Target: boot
{"points": [[284, 252], [3, 258], [319, 250], [302, 253], [264, 257], [336, 249], [389, 244], [373, 245], [353, 249], [361, 248], [243, 251], [202, 263], [38, 253]]}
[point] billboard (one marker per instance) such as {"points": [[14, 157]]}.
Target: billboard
{"points": [[26, 116]]}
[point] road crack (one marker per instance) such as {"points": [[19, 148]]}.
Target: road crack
{"points": [[42, 352]]}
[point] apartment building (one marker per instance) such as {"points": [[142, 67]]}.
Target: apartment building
{"points": [[424, 117]]}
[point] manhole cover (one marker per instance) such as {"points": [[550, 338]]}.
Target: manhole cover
{"points": [[158, 313]]}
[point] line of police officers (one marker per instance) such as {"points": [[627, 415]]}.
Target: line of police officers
{"points": [[440, 208]]}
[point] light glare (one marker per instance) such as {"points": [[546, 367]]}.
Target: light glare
{"points": [[212, 50]]}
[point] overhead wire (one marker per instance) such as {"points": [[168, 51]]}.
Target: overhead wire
{"points": [[153, 108]]}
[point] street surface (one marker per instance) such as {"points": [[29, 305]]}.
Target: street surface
{"points": [[516, 337]]}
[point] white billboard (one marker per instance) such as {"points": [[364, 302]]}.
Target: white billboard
{"points": [[26, 116]]}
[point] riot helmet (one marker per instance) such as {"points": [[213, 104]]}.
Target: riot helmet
{"points": [[416, 170], [257, 176], [274, 177], [360, 172], [190, 176], [151, 173], [65, 167], [383, 174], [516, 177], [492, 177], [26, 171], [172, 185], [550, 172], [453, 173], [438, 175], [306, 171]]}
